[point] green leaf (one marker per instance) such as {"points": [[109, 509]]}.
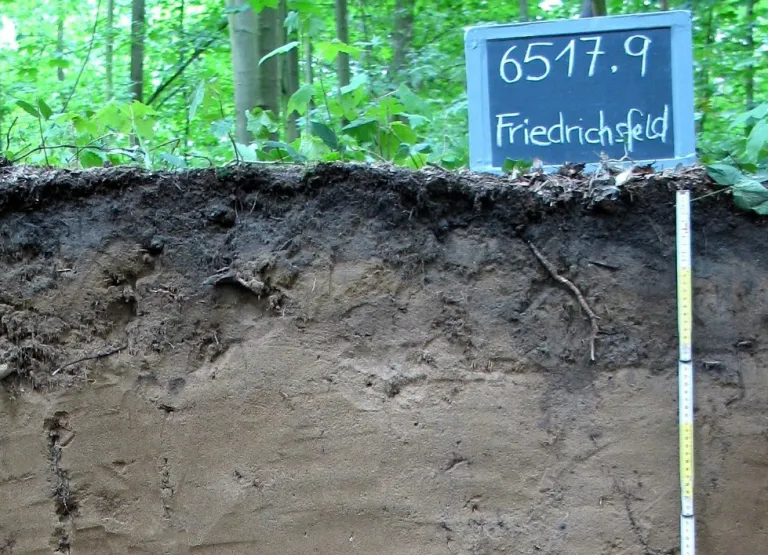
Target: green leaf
{"points": [[28, 108], [363, 129], [328, 50], [85, 126], [388, 145], [221, 128], [314, 26], [724, 174], [749, 194], [411, 101], [91, 159], [45, 110], [355, 83], [312, 147], [280, 50], [415, 160], [173, 160], [59, 62], [259, 5], [757, 141], [144, 127], [385, 109], [197, 98], [511, 165], [295, 156], [758, 113], [422, 148], [261, 123], [416, 120], [325, 134], [402, 152], [300, 100], [303, 6], [343, 107], [404, 133], [291, 22], [247, 152], [140, 110], [112, 116]]}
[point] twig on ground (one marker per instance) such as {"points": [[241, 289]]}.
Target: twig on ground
{"points": [[103, 354], [8, 133], [78, 149], [42, 139], [177, 141], [726, 189], [438, 166], [593, 318]]}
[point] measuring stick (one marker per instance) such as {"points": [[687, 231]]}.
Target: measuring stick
{"points": [[684, 301], [685, 374]]}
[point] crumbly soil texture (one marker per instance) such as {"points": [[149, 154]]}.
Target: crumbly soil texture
{"points": [[363, 359]]}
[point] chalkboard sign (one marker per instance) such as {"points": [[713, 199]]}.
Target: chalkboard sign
{"points": [[573, 90]]}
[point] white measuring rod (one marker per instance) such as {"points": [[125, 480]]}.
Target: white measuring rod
{"points": [[685, 373]]}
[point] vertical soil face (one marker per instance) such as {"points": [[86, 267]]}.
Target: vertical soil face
{"points": [[359, 360]]}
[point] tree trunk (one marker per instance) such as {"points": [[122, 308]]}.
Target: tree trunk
{"points": [[704, 85], [309, 75], [342, 33], [243, 45], [749, 75], [268, 86], [523, 10], [183, 47], [401, 36], [593, 8], [137, 50], [60, 45], [598, 7], [365, 55], [109, 47], [290, 75], [664, 5]]}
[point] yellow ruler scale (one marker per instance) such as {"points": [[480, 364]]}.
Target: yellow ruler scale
{"points": [[685, 374], [684, 287]]}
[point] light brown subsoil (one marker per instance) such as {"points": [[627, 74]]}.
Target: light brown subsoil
{"points": [[384, 367]]}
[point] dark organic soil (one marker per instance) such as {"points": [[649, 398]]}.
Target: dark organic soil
{"points": [[356, 359]]}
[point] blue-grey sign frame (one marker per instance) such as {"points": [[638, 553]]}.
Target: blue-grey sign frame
{"points": [[678, 22]]}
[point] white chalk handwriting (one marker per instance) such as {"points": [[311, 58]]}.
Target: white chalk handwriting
{"points": [[537, 66], [513, 128]]}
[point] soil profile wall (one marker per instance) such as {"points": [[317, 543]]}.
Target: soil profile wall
{"points": [[347, 359]]}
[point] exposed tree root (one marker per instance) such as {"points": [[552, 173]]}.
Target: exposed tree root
{"points": [[593, 318]]}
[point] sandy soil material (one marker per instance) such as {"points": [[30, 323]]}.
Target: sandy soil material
{"points": [[347, 359]]}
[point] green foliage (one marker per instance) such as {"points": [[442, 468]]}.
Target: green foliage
{"points": [[749, 193], [513, 166], [280, 50], [416, 117], [744, 165]]}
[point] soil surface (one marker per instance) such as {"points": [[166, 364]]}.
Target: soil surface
{"points": [[351, 359]]}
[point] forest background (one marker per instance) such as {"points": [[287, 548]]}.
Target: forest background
{"points": [[187, 83]]}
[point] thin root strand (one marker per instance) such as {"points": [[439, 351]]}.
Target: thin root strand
{"points": [[593, 318], [103, 354]]}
